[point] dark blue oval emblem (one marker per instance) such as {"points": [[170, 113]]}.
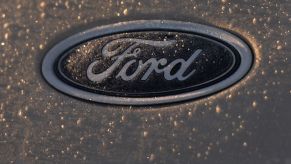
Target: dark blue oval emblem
{"points": [[147, 62]]}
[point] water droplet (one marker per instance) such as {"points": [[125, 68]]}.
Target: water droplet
{"points": [[245, 144], [254, 104], [42, 4], [125, 12], [145, 133], [254, 21], [217, 109]]}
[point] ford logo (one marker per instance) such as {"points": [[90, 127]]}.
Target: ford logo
{"points": [[147, 62]]}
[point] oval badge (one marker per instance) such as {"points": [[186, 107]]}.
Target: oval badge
{"points": [[147, 62]]}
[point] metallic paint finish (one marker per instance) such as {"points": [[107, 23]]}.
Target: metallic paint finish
{"points": [[248, 123]]}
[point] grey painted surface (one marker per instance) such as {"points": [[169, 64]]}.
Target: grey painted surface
{"points": [[248, 123]]}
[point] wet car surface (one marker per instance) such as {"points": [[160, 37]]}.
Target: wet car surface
{"points": [[246, 123]]}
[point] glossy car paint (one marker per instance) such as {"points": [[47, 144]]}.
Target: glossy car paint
{"points": [[247, 123]]}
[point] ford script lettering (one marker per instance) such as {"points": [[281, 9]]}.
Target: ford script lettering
{"points": [[133, 51], [147, 62]]}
